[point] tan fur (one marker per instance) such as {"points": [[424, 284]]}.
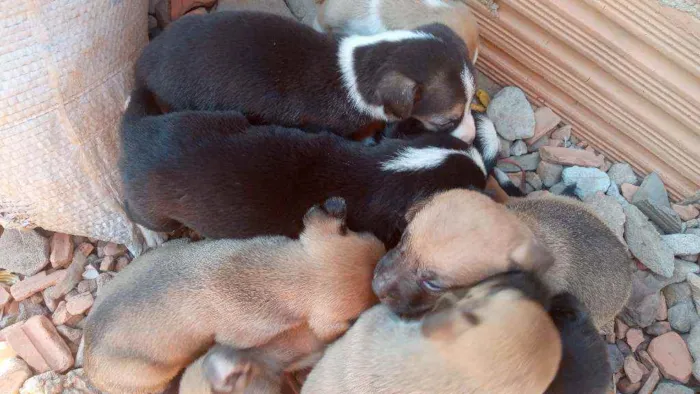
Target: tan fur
{"points": [[173, 303], [343, 16], [513, 348], [591, 263], [461, 237]]}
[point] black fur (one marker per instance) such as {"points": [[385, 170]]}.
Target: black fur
{"points": [[584, 367], [215, 173], [282, 72]]}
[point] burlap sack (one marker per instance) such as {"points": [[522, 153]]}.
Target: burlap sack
{"points": [[65, 72]]}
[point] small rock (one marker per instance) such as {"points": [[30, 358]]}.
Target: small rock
{"points": [[694, 285], [558, 188], [672, 388], [625, 349], [645, 358], [544, 141], [681, 271], [79, 304], [545, 121], [61, 250], [686, 212], [512, 114], [90, 273], [34, 284], [662, 312], [107, 263], [50, 302], [528, 162], [610, 212], [70, 334], [615, 358], [23, 252], [62, 317], [122, 262], [671, 355], [683, 244], [635, 337], [658, 328], [651, 382], [626, 387], [570, 157], [518, 148], [13, 373], [676, 293], [40, 345], [533, 180], [504, 148], [652, 200], [588, 181], [693, 342], [47, 382], [646, 244], [87, 286], [694, 199], [563, 133], [628, 191], [553, 143], [28, 309], [621, 329], [71, 279], [689, 257], [693, 224], [643, 303], [5, 297], [112, 249], [605, 167], [633, 369], [683, 316], [621, 173], [549, 173], [86, 248]]}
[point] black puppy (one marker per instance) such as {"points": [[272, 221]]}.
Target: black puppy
{"points": [[584, 365], [281, 72], [217, 174]]}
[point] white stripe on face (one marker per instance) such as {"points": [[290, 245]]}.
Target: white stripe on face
{"points": [[466, 131], [418, 159], [346, 61]]}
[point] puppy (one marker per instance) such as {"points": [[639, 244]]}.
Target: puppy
{"points": [[217, 174], [278, 71], [240, 293], [496, 339], [458, 237], [584, 366], [364, 17]]}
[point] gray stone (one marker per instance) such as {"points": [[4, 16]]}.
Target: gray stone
{"points": [[512, 114], [658, 328], [620, 173], [693, 342], [518, 148], [652, 199], [588, 181], [610, 211], [693, 231], [677, 293], [549, 173], [528, 162], [533, 180], [683, 244], [544, 141], [23, 252], [681, 269], [694, 199], [615, 358], [694, 283], [614, 191], [693, 224], [672, 388], [504, 148], [683, 316], [644, 300], [646, 244], [558, 188], [689, 257]]}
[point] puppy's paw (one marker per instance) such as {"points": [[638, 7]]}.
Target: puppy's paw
{"points": [[227, 370], [329, 216]]}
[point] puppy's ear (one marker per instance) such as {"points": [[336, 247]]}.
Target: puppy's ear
{"points": [[532, 256], [415, 208], [398, 93], [448, 323], [226, 371]]}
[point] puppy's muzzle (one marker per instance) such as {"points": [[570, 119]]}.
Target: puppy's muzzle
{"points": [[398, 288]]}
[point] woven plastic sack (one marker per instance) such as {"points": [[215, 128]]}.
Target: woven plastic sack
{"points": [[66, 68]]}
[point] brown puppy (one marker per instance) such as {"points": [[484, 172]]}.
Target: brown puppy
{"points": [[497, 339], [171, 304], [459, 237], [365, 17]]}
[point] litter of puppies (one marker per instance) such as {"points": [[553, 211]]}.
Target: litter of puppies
{"points": [[357, 229]]}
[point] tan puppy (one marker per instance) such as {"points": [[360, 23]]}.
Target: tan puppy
{"points": [[365, 17], [498, 339], [459, 237], [171, 304]]}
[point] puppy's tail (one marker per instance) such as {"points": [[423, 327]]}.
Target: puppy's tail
{"points": [[140, 104], [506, 184]]}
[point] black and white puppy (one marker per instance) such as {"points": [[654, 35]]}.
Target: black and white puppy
{"points": [[278, 71], [224, 178]]}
